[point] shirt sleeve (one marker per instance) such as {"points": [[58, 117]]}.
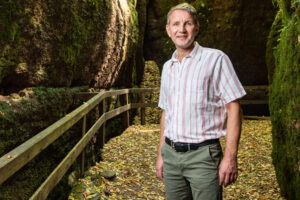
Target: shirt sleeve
{"points": [[226, 81], [162, 94]]}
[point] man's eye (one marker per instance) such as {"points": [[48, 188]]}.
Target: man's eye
{"points": [[175, 24]]}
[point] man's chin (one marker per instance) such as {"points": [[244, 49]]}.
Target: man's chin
{"points": [[185, 46]]}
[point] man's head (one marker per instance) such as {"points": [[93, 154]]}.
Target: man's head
{"points": [[182, 26], [187, 7]]}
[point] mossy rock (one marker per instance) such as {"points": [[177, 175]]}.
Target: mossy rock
{"points": [[54, 42], [272, 42], [285, 102]]}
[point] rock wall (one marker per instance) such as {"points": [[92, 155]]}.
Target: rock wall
{"points": [[67, 43], [238, 27], [285, 99], [47, 48]]}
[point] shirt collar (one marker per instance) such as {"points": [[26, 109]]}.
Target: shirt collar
{"points": [[192, 54]]}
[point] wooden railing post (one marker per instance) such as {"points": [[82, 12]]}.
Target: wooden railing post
{"points": [[83, 152], [126, 114], [102, 129], [142, 109]]}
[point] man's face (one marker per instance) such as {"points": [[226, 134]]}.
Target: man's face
{"points": [[182, 29]]}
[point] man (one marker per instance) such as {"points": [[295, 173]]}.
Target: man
{"points": [[199, 97]]}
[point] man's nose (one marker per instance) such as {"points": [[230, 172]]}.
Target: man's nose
{"points": [[182, 28]]}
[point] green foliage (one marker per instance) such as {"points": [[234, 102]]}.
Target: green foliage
{"points": [[22, 118], [168, 46], [203, 8], [26, 116], [285, 104]]}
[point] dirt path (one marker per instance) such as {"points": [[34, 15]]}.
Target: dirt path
{"points": [[132, 157]]}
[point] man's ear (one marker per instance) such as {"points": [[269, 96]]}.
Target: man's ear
{"points": [[168, 30]]}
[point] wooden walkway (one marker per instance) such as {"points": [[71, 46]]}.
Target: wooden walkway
{"points": [[132, 157]]}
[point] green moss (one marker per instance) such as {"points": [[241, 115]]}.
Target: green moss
{"points": [[134, 74], [107, 3], [168, 46], [22, 118], [78, 26], [77, 34], [10, 36], [285, 104], [272, 42], [134, 14], [9, 9]]}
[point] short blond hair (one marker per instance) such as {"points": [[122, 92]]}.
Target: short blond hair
{"points": [[187, 7]]}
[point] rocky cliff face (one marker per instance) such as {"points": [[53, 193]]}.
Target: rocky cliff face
{"points": [[67, 43], [237, 27], [46, 49], [121, 39]]}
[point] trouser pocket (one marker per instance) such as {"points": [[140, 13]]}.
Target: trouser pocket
{"points": [[216, 154]]}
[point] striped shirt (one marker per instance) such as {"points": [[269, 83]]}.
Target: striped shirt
{"points": [[193, 94]]}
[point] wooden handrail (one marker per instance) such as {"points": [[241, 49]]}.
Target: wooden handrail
{"points": [[256, 102], [256, 87], [21, 155]]}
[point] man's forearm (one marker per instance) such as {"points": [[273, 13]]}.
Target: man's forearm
{"points": [[162, 128], [159, 161], [228, 168], [233, 129]]}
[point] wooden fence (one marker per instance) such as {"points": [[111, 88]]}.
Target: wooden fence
{"points": [[21, 155]]}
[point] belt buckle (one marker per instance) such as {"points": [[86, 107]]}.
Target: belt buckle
{"points": [[173, 146]]}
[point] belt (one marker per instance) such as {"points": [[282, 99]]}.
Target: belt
{"points": [[184, 147]]}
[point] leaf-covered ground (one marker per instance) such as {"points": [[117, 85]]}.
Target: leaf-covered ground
{"points": [[132, 156]]}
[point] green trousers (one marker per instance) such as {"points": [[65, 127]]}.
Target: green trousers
{"points": [[192, 174]]}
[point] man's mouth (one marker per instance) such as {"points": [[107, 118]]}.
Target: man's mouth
{"points": [[182, 37]]}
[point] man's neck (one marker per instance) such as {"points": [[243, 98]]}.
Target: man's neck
{"points": [[181, 53]]}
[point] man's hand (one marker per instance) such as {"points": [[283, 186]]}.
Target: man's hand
{"points": [[228, 172], [159, 168], [159, 161]]}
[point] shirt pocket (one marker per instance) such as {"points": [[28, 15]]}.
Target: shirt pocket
{"points": [[195, 98]]}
